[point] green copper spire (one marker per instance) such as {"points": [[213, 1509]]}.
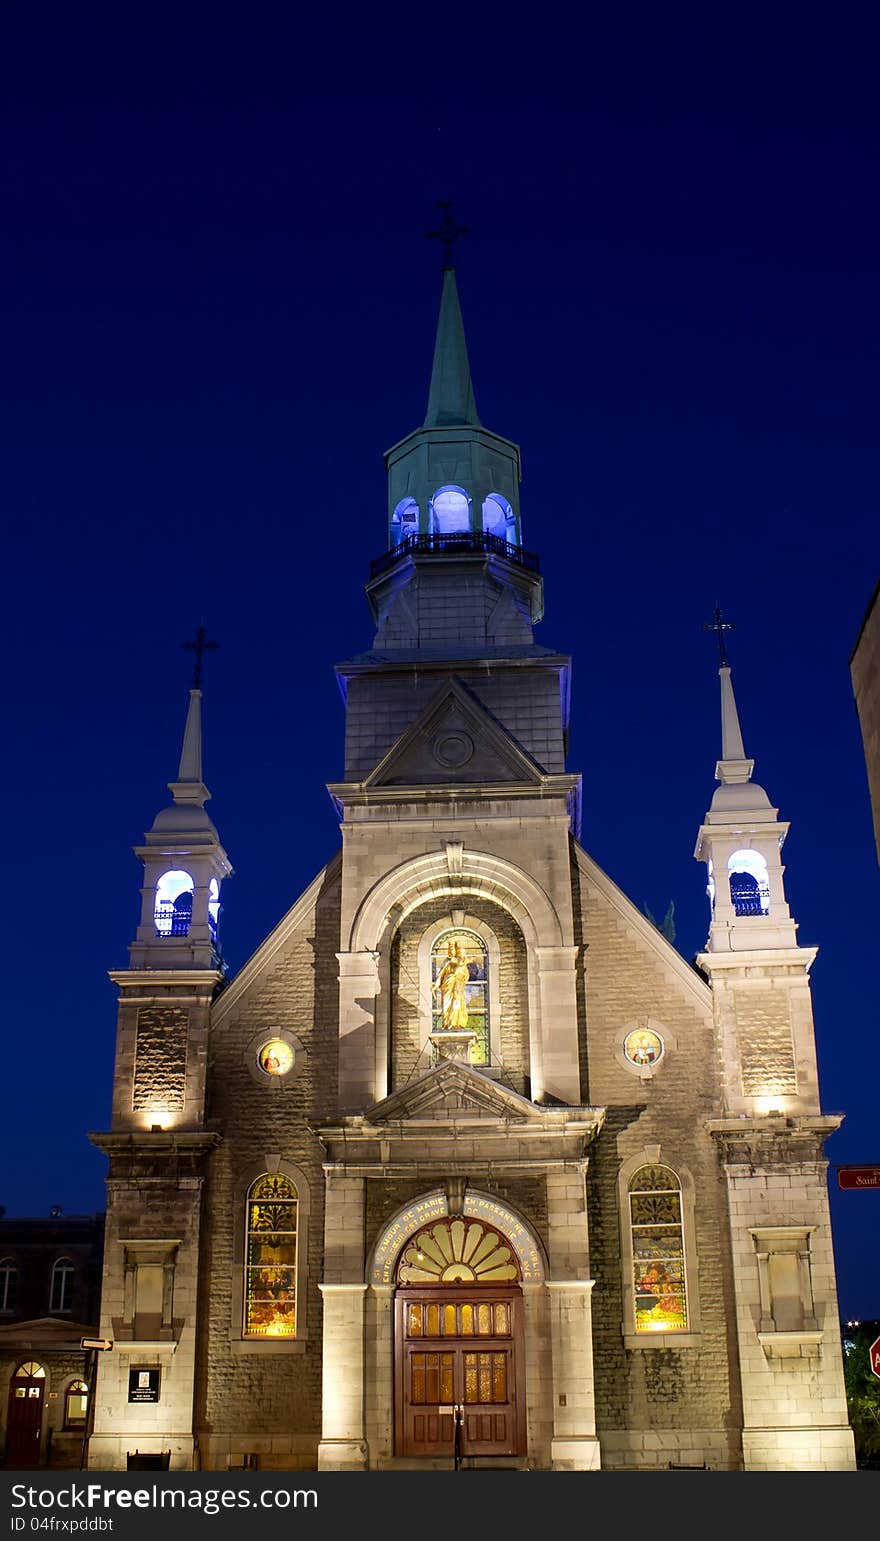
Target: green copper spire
{"points": [[451, 401]]}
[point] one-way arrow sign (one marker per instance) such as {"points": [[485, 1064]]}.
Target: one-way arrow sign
{"points": [[101, 1343]]}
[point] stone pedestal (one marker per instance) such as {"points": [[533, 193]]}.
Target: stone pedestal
{"points": [[453, 1043]]}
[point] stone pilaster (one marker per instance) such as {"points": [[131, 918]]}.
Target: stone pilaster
{"points": [[559, 1074], [149, 1297], [343, 1445], [574, 1445], [788, 1329], [358, 988]]}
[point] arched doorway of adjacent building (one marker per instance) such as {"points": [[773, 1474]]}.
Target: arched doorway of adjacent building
{"points": [[459, 1342], [24, 1422]]}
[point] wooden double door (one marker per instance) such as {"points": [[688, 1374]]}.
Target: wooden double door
{"points": [[459, 1347]]}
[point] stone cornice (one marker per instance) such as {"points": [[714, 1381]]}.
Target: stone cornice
{"points": [[161, 977], [388, 664], [782, 957], [473, 1165], [354, 794], [773, 1142], [196, 1142]]}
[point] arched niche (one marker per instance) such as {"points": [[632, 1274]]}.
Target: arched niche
{"points": [[449, 511], [404, 521]]}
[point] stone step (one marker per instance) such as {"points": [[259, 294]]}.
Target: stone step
{"points": [[445, 1463]]}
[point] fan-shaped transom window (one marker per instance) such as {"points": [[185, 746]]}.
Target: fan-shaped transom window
{"points": [[658, 1250], [270, 1262], [61, 1294], [460, 989], [8, 1283], [30, 1370], [459, 1251]]}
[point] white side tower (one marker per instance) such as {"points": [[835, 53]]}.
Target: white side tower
{"points": [[771, 1137], [158, 1145]]}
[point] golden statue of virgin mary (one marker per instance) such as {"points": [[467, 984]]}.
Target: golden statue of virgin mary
{"points": [[451, 988]]}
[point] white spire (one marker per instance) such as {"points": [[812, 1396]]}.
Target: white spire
{"points": [[733, 766], [191, 753], [189, 788]]}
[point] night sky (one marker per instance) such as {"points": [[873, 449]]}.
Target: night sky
{"points": [[218, 311]]}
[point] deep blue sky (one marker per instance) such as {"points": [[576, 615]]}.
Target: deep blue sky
{"points": [[218, 311]]}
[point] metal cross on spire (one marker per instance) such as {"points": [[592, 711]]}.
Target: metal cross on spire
{"points": [[199, 646], [448, 233], [720, 626]]}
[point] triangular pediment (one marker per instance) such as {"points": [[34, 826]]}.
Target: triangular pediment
{"points": [[452, 1091], [454, 739], [45, 1330]]}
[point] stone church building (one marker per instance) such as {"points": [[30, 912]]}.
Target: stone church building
{"points": [[467, 1155]]}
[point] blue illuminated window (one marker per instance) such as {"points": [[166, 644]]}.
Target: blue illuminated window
{"points": [[450, 511]]}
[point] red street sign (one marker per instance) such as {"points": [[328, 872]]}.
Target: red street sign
{"points": [[858, 1177], [874, 1357]]}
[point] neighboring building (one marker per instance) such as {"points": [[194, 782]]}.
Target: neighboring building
{"points": [[467, 1139], [865, 671], [50, 1287]]}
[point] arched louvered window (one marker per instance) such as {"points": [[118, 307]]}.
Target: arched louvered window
{"points": [[749, 883], [61, 1293], [270, 1258], [174, 902], [8, 1284], [658, 1260]]}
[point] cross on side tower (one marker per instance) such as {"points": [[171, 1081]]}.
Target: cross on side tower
{"points": [[199, 646], [449, 232], [720, 626]]}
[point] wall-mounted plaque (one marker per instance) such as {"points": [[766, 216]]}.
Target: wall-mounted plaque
{"points": [[143, 1385]]}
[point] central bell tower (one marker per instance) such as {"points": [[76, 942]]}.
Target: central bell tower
{"points": [[456, 718]]}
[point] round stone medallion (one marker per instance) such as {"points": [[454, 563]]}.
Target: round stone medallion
{"points": [[453, 749]]}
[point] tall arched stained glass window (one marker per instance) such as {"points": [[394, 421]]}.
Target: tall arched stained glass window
{"points": [[270, 1263], [460, 989], [658, 1250]]}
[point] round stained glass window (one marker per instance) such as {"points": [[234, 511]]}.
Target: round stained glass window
{"points": [[643, 1047], [275, 1057]]}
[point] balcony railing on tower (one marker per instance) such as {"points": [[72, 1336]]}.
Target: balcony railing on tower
{"points": [[172, 922], [460, 540]]}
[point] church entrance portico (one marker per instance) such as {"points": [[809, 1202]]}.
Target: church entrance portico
{"points": [[463, 1300]]}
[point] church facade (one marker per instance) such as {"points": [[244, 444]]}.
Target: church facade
{"points": [[467, 1163]]}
